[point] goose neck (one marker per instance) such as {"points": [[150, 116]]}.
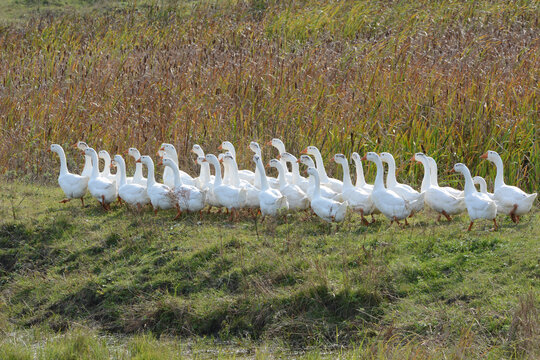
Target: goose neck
{"points": [[499, 178]]}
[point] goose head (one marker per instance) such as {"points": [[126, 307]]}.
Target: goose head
{"points": [[200, 160], [227, 158], [89, 151], [288, 157], [167, 162], [371, 156], [460, 168], [491, 155], [277, 143], [255, 148], [274, 163], [56, 148], [339, 158], [103, 154], [418, 157], [116, 160], [81, 145], [168, 149], [212, 159], [146, 160], [256, 158], [311, 171], [355, 157], [311, 150], [307, 160], [386, 157], [197, 149], [134, 153], [226, 145]]}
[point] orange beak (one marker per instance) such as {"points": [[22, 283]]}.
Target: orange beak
{"points": [[484, 156], [193, 151], [204, 160], [220, 147], [304, 151], [332, 160], [138, 160], [111, 166], [126, 152], [452, 171], [268, 165], [413, 158], [160, 162], [305, 172], [298, 161], [279, 157], [364, 158], [269, 142], [74, 145]]}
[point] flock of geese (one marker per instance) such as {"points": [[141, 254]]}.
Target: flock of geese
{"points": [[328, 197]]}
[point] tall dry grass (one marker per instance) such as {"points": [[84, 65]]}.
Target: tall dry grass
{"points": [[452, 80]]}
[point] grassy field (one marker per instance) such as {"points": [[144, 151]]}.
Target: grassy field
{"points": [[428, 291], [452, 79]]}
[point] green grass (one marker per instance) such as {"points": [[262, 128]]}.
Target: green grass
{"points": [[430, 289]]}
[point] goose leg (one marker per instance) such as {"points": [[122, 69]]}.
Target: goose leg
{"points": [[495, 223], [513, 214], [364, 221], [155, 211], [470, 226], [119, 199], [179, 212], [372, 219], [439, 218], [65, 201], [446, 215], [406, 223], [82, 202], [103, 202]]}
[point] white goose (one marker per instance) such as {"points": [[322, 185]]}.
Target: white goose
{"points": [[390, 204], [326, 192], [436, 198], [228, 196], [188, 197], [280, 146], [104, 154], [271, 201], [479, 206], [327, 209], [360, 179], [74, 186], [168, 178], [252, 193], [138, 177], [246, 175], [413, 197], [204, 175], [297, 199], [434, 180], [297, 179], [358, 199], [161, 196], [132, 193], [332, 183], [87, 169], [103, 189], [510, 200], [207, 183], [272, 181], [478, 180]]}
